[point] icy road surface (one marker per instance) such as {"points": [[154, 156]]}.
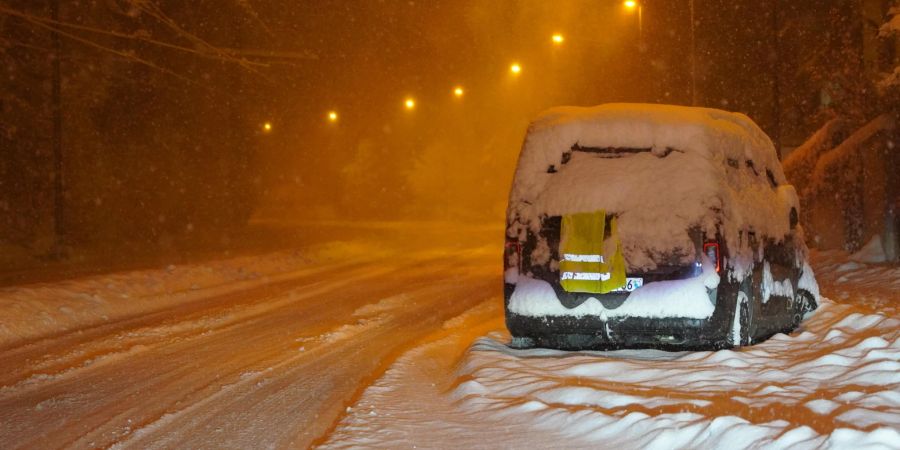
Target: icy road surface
{"points": [[355, 345]]}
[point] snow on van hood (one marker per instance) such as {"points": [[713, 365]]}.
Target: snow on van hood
{"points": [[657, 198]]}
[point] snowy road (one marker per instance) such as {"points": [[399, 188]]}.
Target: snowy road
{"points": [[395, 347], [270, 364]]}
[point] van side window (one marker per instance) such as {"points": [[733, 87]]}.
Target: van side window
{"points": [[771, 177], [752, 167]]}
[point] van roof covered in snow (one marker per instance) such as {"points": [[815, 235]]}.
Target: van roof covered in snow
{"points": [[717, 134], [661, 169]]}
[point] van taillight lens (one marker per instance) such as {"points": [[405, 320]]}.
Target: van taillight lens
{"points": [[712, 252]]}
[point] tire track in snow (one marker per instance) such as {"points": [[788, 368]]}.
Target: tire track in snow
{"points": [[355, 360], [82, 348], [110, 419], [208, 298], [164, 380], [246, 382]]}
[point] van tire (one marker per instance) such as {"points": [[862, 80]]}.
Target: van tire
{"points": [[803, 303]]}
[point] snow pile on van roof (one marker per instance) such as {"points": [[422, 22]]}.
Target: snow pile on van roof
{"points": [[635, 125], [698, 167]]}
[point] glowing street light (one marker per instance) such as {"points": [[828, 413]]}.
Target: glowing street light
{"points": [[332, 116], [458, 92], [557, 39], [632, 5], [267, 127], [409, 104], [515, 68]]}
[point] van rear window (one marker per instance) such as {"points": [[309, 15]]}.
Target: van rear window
{"points": [[610, 152]]}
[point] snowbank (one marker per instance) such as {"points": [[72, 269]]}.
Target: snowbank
{"points": [[832, 386], [876, 287], [872, 252]]}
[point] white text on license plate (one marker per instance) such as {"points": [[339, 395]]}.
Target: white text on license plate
{"points": [[630, 285]]}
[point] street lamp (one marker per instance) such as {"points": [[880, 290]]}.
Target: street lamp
{"points": [[632, 5], [557, 39], [267, 127], [332, 116], [458, 92], [635, 4], [515, 68], [409, 104]]}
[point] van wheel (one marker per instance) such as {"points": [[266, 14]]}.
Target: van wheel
{"points": [[803, 303], [739, 334]]}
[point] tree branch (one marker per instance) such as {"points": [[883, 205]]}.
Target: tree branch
{"points": [[138, 37]]}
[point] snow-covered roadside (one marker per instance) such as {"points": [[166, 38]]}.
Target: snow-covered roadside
{"points": [[873, 287], [834, 383], [32, 311]]}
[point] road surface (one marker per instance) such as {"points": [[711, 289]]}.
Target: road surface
{"points": [[270, 364]]}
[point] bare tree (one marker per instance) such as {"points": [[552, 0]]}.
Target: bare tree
{"points": [[71, 66]]}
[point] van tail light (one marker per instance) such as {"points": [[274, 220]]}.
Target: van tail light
{"points": [[512, 253], [711, 249]]}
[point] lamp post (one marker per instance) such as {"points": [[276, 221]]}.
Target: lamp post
{"points": [[693, 60], [776, 88], [636, 5], [632, 5], [59, 229]]}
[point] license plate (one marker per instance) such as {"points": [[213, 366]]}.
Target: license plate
{"points": [[630, 284]]}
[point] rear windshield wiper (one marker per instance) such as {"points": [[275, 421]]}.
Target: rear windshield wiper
{"points": [[611, 152]]}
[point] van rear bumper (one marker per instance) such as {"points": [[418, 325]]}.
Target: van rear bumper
{"points": [[594, 333]]}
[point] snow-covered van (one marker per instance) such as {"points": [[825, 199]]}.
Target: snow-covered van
{"points": [[634, 225]]}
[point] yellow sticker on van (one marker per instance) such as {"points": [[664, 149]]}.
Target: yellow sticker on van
{"points": [[583, 267]]}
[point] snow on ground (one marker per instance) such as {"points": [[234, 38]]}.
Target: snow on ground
{"points": [[230, 362], [30, 311], [869, 287], [834, 383], [385, 345]]}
